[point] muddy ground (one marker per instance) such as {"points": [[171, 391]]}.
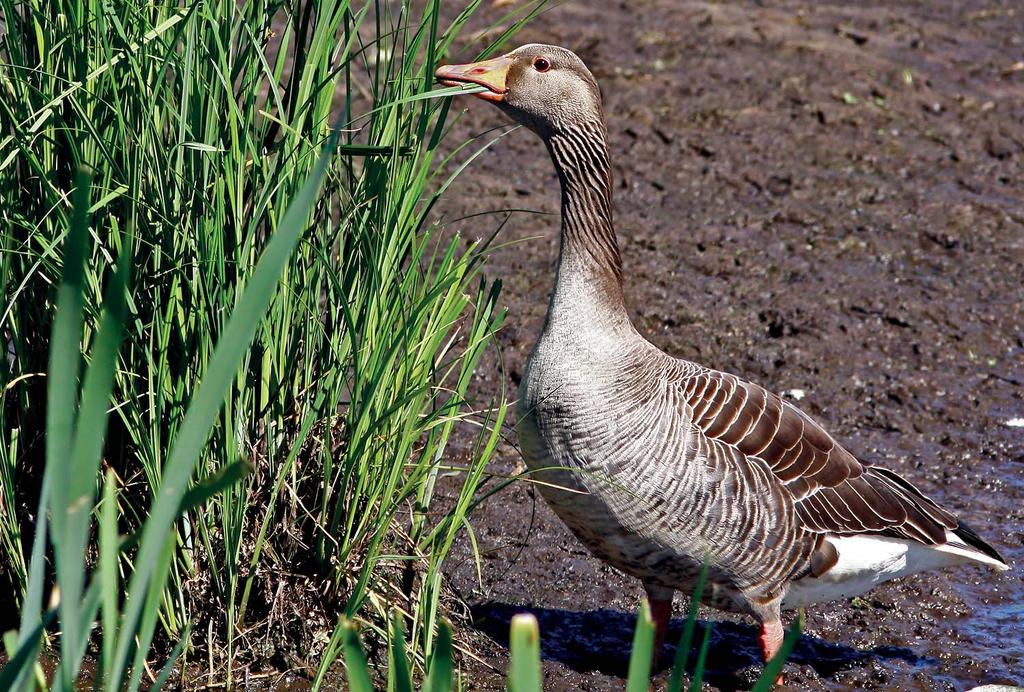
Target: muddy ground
{"points": [[823, 197]]}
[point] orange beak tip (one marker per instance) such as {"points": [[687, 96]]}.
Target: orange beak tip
{"points": [[488, 74]]}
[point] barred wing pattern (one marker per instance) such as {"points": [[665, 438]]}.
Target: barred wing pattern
{"points": [[832, 491]]}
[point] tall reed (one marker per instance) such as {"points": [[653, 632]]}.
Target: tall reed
{"points": [[285, 419]]}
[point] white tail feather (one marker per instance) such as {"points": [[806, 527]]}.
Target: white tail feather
{"points": [[866, 561]]}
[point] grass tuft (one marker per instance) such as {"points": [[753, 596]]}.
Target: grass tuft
{"points": [[253, 351]]}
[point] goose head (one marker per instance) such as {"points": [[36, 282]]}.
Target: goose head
{"points": [[546, 88]]}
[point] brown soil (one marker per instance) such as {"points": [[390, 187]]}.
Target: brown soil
{"points": [[816, 196]]}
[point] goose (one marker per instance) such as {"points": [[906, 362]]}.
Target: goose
{"points": [[661, 466]]}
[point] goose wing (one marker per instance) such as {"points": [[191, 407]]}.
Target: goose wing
{"points": [[832, 491]]}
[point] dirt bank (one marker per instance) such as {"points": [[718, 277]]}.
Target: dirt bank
{"points": [[824, 199]]}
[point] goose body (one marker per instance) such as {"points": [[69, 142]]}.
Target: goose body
{"points": [[660, 465]]}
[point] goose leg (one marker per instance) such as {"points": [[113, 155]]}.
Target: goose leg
{"points": [[771, 641], [660, 600]]}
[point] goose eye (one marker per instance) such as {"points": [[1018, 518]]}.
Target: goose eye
{"points": [[541, 64]]}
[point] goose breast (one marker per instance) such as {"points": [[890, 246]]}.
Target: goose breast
{"points": [[622, 463]]}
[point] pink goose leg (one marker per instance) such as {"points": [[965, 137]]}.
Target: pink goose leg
{"points": [[771, 641]]}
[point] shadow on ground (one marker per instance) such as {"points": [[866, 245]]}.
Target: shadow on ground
{"points": [[600, 640]]}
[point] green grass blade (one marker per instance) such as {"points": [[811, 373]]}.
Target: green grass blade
{"points": [[524, 673], [89, 607], [80, 478], [398, 662], [165, 673], [32, 606], [222, 479], [62, 378], [675, 683], [108, 574], [773, 668], [440, 671], [357, 670], [62, 389], [23, 659], [151, 611], [698, 671], [643, 650]]}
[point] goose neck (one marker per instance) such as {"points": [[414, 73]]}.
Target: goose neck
{"points": [[589, 256]]}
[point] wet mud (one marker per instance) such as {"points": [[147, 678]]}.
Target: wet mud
{"points": [[826, 199]]}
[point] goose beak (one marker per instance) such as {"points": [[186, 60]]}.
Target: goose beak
{"points": [[487, 73]]}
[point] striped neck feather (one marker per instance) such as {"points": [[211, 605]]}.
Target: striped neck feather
{"points": [[589, 248]]}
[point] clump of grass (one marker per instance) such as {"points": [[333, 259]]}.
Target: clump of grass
{"points": [[524, 667], [328, 348]]}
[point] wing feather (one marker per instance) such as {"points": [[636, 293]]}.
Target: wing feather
{"points": [[831, 490]]}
